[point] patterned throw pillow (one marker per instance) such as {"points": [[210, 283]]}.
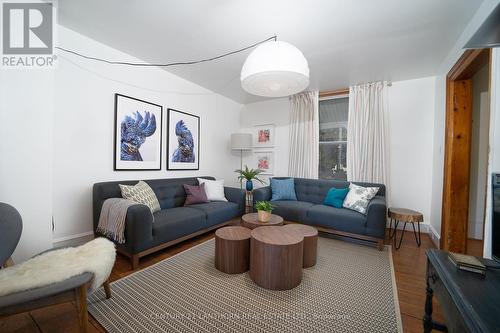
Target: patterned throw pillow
{"points": [[359, 197], [141, 193]]}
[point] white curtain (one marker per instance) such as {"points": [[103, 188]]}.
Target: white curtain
{"points": [[367, 151], [304, 135]]}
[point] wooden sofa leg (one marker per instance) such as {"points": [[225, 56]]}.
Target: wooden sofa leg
{"points": [[380, 244], [81, 305], [107, 288], [135, 261]]}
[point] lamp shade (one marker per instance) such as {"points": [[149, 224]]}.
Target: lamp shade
{"points": [[241, 141], [275, 69]]}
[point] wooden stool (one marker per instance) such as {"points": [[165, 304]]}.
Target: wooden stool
{"points": [[232, 249], [406, 216], [310, 235], [276, 257]]}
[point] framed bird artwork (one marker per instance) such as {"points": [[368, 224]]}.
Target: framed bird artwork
{"points": [[137, 142], [183, 141]]}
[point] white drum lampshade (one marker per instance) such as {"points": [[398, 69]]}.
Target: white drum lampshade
{"points": [[275, 69], [241, 141]]}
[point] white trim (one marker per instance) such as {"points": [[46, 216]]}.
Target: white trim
{"points": [[66, 238], [435, 236]]}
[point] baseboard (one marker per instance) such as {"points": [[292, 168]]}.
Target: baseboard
{"points": [[73, 240], [435, 236]]}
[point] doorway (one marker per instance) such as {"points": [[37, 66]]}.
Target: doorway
{"points": [[466, 153]]}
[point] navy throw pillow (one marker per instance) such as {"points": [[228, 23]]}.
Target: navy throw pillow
{"points": [[283, 189], [335, 197]]}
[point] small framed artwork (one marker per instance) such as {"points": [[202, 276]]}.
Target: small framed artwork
{"points": [[264, 160], [137, 142], [183, 141], [264, 135]]}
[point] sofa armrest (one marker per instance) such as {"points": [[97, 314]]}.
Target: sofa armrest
{"points": [[376, 216], [138, 228], [237, 196], [262, 194]]}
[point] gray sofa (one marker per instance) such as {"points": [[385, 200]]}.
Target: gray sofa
{"points": [[308, 209], [145, 234]]}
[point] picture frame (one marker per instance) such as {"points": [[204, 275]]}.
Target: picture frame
{"points": [[263, 135], [264, 160], [137, 134], [183, 140]]}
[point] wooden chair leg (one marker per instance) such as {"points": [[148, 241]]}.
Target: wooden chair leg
{"points": [[81, 305], [380, 244], [107, 289], [135, 261]]}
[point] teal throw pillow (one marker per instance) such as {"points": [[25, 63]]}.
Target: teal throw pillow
{"points": [[283, 189], [335, 197]]}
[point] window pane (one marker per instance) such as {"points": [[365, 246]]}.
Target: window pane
{"points": [[333, 115], [332, 161], [333, 119]]}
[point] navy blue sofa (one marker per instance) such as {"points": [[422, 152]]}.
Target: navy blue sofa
{"points": [[145, 234], [308, 209]]}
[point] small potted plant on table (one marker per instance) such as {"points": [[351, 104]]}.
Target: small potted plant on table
{"points": [[264, 209], [249, 175]]}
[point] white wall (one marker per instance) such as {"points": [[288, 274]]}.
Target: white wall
{"points": [[479, 152], [26, 110], [494, 158], [84, 127], [411, 125], [439, 115], [273, 111]]}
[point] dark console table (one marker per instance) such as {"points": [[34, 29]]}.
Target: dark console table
{"points": [[470, 303]]}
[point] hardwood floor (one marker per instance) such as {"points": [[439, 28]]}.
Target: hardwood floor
{"points": [[409, 266]]}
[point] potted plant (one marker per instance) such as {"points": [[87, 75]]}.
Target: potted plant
{"points": [[264, 209], [249, 175]]}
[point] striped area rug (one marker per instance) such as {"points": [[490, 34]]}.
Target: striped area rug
{"points": [[351, 289]]}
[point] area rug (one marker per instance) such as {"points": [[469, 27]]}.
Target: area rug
{"points": [[351, 289]]}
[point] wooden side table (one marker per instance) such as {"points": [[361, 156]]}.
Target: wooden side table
{"points": [[232, 249], [248, 202], [251, 221], [406, 216]]}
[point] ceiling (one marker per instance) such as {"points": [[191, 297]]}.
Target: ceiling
{"points": [[345, 41]]}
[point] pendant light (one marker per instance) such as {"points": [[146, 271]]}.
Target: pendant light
{"points": [[275, 69]]}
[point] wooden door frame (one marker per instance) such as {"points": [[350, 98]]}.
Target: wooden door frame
{"points": [[455, 204]]}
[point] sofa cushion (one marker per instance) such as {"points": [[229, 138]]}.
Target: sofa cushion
{"points": [[283, 189], [291, 210], [217, 211], [335, 197], [359, 197], [141, 193], [340, 219], [172, 223]]}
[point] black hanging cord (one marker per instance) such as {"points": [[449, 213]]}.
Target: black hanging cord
{"points": [[275, 38]]}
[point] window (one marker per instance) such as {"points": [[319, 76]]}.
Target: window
{"points": [[333, 114]]}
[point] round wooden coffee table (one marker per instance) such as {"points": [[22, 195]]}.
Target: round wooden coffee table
{"points": [[276, 257], [406, 216], [251, 221], [310, 235], [232, 249]]}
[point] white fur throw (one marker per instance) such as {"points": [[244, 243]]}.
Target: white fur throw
{"points": [[97, 257]]}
